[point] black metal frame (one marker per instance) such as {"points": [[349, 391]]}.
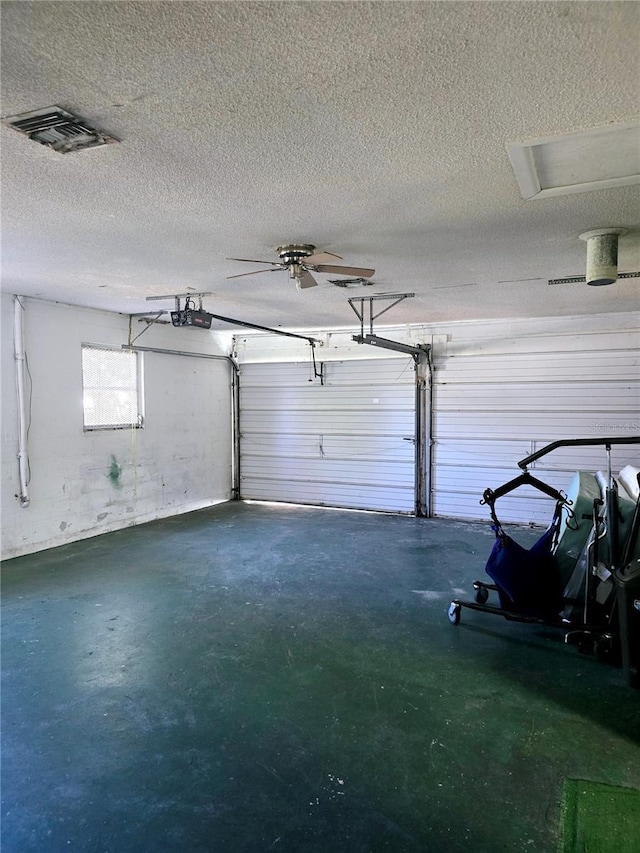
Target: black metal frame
{"points": [[577, 442]]}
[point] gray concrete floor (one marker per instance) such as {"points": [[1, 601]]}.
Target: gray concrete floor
{"points": [[258, 678]]}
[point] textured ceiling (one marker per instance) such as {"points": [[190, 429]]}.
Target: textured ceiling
{"points": [[377, 131]]}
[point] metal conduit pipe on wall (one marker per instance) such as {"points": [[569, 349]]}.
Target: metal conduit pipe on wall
{"points": [[23, 459]]}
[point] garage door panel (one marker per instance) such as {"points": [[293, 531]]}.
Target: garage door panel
{"points": [[361, 373], [488, 455], [512, 509], [323, 422], [332, 447], [468, 478], [563, 396], [347, 443], [319, 398], [318, 470], [479, 452], [493, 410], [386, 499], [542, 426], [548, 367]]}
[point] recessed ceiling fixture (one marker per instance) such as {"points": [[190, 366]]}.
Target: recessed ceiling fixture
{"points": [[594, 159], [58, 129]]}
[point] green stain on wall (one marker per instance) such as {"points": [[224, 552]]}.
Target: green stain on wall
{"points": [[115, 473]]}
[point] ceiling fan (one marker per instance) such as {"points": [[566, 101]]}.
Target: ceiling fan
{"points": [[300, 260]]}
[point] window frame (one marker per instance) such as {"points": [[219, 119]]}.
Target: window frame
{"points": [[140, 419]]}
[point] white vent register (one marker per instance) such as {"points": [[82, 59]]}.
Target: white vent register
{"points": [[58, 129]]}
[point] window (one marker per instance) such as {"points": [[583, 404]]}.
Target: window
{"points": [[111, 388]]}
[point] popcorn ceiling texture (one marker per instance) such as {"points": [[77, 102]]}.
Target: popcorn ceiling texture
{"points": [[374, 130]]}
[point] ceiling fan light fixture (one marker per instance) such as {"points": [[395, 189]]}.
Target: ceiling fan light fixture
{"points": [[300, 260], [602, 255]]}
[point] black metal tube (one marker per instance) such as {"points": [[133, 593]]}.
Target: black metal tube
{"points": [[263, 328], [577, 442]]}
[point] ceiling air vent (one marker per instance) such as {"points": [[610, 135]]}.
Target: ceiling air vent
{"points": [[58, 129], [350, 282]]}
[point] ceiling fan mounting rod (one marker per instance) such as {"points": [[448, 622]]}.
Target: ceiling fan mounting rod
{"points": [[295, 270]]}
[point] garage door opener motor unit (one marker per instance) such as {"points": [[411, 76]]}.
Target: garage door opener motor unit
{"points": [[191, 316]]}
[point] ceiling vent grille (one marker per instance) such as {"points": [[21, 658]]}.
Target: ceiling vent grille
{"points": [[350, 282], [58, 129]]}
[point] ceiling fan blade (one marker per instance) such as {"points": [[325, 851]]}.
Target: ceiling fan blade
{"points": [[250, 261], [306, 280], [255, 272], [322, 258], [360, 272]]}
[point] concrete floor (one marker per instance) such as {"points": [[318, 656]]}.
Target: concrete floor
{"points": [[258, 678]]}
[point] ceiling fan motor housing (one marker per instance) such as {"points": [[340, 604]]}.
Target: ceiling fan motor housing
{"points": [[295, 253]]}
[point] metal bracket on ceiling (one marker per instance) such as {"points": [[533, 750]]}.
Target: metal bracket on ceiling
{"points": [[186, 296], [418, 352], [151, 321], [145, 318], [360, 313]]}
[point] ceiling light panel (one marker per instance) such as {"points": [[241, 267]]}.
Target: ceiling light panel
{"points": [[594, 159]]}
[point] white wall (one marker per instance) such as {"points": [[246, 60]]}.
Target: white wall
{"points": [[179, 461], [504, 389]]}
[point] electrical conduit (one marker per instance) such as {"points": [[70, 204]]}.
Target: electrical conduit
{"points": [[23, 460]]}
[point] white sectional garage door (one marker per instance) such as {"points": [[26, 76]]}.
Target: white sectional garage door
{"points": [[494, 409], [347, 443]]}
